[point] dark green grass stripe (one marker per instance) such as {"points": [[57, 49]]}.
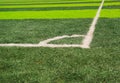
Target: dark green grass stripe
{"points": [[107, 33], [112, 7], [77, 40], [49, 8], [34, 31], [111, 1], [6, 4], [58, 8]]}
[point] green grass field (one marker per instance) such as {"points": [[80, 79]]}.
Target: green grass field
{"points": [[28, 21], [46, 1]]}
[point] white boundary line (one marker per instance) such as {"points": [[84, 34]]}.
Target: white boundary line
{"points": [[85, 43], [88, 38], [60, 37]]}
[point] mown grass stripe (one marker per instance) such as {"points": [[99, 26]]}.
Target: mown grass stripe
{"points": [[55, 5], [47, 1], [48, 8], [112, 3], [36, 30], [110, 13], [38, 3], [57, 8], [48, 14], [8, 4], [60, 5], [112, 7]]}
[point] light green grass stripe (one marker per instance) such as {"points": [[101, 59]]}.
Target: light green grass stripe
{"points": [[26, 2], [45, 1], [51, 5], [48, 14], [60, 5], [110, 13], [111, 3]]}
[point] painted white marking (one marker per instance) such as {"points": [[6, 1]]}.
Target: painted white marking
{"points": [[59, 37], [45, 42], [88, 38], [85, 43]]}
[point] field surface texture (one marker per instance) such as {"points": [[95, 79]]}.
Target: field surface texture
{"points": [[63, 25]]}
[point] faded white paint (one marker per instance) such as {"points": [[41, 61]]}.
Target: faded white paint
{"points": [[88, 38]]}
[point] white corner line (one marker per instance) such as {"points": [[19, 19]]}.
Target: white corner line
{"points": [[89, 36], [85, 43], [60, 37]]}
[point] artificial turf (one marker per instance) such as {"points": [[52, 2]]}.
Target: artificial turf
{"points": [[46, 1], [61, 14], [76, 40], [99, 64], [34, 31], [48, 14], [54, 11]]}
